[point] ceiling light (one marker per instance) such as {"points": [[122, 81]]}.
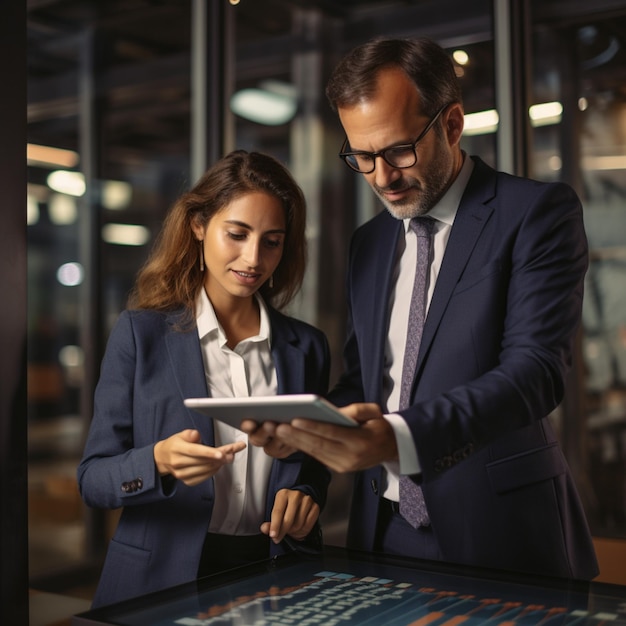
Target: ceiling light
{"points": [[125, 234], [481, 122], [54, 157], [272, 104], [63, 181], [71, 356], [116, 194], [70, 274], [545, 113], [461, 57], [62, 209]]}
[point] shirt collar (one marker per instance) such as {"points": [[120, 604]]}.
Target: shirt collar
{"points": [[207, 322], [445, 210]]}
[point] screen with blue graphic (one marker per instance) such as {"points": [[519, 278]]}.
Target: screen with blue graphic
{"points": [[344, 589]]}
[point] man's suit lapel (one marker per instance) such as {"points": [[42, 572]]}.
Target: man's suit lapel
{"points": [[469, 222]]}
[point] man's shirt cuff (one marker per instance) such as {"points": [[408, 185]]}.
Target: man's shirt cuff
{"points": [[408, 463]]}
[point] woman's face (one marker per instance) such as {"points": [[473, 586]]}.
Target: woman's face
{"points": [[243, 245]]}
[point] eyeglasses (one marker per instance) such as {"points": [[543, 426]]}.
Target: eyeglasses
{"points": [[400, 156]]}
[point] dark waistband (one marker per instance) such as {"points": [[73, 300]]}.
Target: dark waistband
{"points": [[241, 541], [391, 505]]}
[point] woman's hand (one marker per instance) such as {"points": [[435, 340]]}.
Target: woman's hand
{"points": [[294, 514], [184, 457]]}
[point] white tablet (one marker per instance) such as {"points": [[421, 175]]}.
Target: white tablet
{"points": [[270, 409]]}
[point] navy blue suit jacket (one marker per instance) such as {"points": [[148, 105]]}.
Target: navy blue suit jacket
{"points": [[496, 346], [148, 369]]}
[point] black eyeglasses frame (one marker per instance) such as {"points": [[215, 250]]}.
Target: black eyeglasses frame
{"points": [[345, 155]]}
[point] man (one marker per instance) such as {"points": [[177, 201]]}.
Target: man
{"points": [[467, 443]]}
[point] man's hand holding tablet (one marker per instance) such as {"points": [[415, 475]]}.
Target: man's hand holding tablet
{"points": [[339, 448]]}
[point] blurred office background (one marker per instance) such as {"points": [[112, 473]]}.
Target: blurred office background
{"points": [[130, 100]]}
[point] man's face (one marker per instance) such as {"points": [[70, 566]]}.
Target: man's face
{"points": [[392, 117]]}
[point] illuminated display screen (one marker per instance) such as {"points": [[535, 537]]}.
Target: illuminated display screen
{"points": [[346, 588]]}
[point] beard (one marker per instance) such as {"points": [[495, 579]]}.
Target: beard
{"points": [[422, 196]]}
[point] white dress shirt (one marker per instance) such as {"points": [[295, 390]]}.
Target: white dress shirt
{"points": [[247, 370], [443, 213]]}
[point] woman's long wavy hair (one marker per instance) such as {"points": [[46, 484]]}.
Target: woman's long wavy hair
{"points": [[171, 277]]}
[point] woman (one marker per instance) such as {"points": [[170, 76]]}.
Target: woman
{"points": [[203, 320]]}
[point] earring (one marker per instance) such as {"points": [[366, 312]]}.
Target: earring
{"points": [[201, 255], [271, 282]]}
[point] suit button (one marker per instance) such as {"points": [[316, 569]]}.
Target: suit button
{"points": [[125, 487], [374, 485], [139, 483]]}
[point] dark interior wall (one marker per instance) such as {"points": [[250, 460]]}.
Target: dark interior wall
{"points": [[13, 477]]}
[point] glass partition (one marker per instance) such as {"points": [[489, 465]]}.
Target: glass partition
{"points": [[579, 136]]}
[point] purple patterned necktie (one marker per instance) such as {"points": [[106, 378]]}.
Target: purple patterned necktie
{"points": [[412, 505]]}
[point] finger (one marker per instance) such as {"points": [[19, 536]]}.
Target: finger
{"points": [[370, 444], [321, 429], [362, 411], [306, 521], [297, 523], [192, 469], [192, 476], [300, 515], [232, 448], [259, 434], [249, 427], [190, 435], [201, 453], [324, 448], [277, 524], [263, 436], [278, 449]]}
